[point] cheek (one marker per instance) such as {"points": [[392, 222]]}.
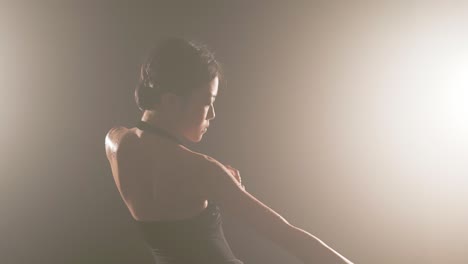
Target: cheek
{"points": [[202, 112], [196, 116]]}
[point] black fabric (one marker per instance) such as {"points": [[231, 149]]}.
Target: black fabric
{"points": [[196, 240]]}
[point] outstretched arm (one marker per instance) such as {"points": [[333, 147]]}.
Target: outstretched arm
{"points": [[221, 185]]}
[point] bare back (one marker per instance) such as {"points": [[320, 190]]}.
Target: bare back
{"points": [[160, 180], [156, 178]]}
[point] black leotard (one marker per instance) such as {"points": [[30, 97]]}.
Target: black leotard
{"points": [[196, 240]]}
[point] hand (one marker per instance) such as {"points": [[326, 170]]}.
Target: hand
{"points": [[236, 175]]}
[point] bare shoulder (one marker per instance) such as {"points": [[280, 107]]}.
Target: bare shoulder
{"points": [[208, 171], [219, 184], [119, 138], [210, 167]]}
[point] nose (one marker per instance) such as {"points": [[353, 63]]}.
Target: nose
{"points": [[211, 114]]}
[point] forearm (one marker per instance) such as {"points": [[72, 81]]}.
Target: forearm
{"points": [[310, 249]]}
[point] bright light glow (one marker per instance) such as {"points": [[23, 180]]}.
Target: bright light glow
{"points": [[397, 129]]}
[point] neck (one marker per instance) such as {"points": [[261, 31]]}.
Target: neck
{"points": [[156, 120]]}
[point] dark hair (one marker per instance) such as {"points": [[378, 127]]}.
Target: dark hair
{"points": [[175, 65]]}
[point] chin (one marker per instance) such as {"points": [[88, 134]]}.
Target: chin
{"points": [[199, 138], [196, 139]]}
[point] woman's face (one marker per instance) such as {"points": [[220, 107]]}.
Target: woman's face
{"points": [[199, 111]]}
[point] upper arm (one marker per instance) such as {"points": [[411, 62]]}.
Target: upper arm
{"points": [[220, 186]]}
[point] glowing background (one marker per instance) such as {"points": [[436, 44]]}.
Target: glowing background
{"points": [[348, 118]]}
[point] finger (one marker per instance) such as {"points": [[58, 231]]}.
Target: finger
{"points": [[238, 178], [229, 166]]}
